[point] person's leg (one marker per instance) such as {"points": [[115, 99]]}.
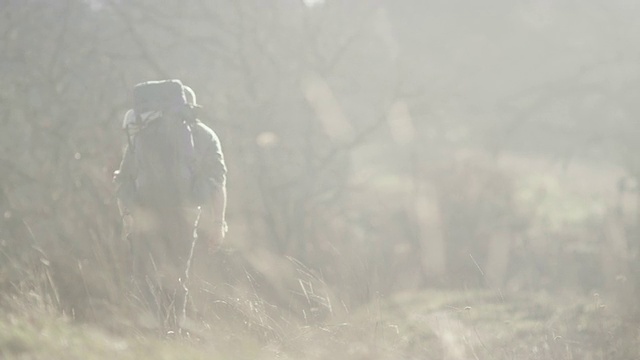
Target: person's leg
{"points": [[161, 251], [179, 240], [144, 279]]}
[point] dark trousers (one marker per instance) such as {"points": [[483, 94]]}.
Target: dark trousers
{"points": [[162, 243]]}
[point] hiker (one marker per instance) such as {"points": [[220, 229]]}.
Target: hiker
{"points": [[171, 190]]}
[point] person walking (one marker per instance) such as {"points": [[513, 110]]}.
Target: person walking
{"points": [[171, 191]]}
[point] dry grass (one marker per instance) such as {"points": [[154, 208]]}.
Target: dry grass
{"points": [[431, 324]]}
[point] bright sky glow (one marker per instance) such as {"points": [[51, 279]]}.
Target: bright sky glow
{"points": [[313, 3]]}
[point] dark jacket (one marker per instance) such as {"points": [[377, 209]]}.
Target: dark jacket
{"points": [[209, 170]]}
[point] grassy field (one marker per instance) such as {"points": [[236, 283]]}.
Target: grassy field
{"points": [[432, 324]]}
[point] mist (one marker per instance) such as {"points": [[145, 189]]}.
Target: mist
{"points": [[407, 179]]}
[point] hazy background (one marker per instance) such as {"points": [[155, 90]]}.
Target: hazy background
{"points": [[375, 148]]}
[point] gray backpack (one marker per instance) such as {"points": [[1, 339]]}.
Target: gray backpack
{"points": [[162, 145]]}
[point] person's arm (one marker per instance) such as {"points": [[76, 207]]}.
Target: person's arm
{"points": [[212, 218], [212, 223], [123, 178]]}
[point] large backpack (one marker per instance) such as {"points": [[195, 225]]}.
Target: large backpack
{"points": [[162, 145]]}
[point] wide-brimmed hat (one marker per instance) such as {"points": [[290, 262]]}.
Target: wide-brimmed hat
{"points": [[191, 96]]}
